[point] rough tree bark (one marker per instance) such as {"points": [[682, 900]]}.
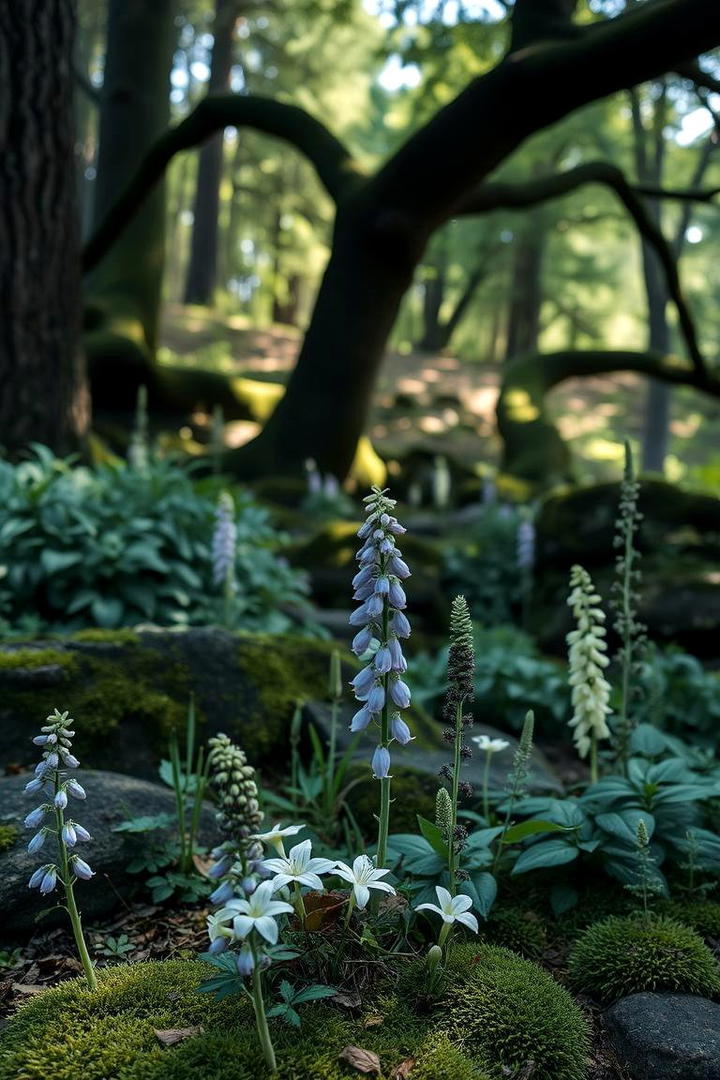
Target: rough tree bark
{"points": [[202, 268], [384, 221], [124, 290], [43, 388], [526, 295]]}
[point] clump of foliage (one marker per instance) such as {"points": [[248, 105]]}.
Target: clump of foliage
{"points": [[629, 955], [521, 931], [501, 1008], [116, 545]]}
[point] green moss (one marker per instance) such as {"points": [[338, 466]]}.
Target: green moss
{"points": [[622, 956], [703, 916], [29, 659], [413, 793], [516, 929], [98, 636], [8, 836], [497, 1007]]}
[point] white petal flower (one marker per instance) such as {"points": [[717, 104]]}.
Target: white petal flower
{"points": [[275, 836], [587, 660], [452, 908], [298, 867], [258, 913], [363, 876], [490, 746]]}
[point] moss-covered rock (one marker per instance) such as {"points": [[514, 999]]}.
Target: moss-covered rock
{"points": [[629, 955], [69, 1031], [703, 916], [679, 538]]}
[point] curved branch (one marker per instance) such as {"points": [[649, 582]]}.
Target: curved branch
{"points": [[512, 196], [332, 161], [532, 446]]}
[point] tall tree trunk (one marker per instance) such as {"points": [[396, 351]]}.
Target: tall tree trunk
{"points": [[526, 291], [656, 422], [125, 289], [325, 406], [433, 296], [202, 270], [43, 389]]}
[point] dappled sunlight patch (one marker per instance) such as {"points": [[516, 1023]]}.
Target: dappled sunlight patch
{"points": [[520, 407]]}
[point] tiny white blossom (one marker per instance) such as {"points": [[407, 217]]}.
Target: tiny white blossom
{"points": [[490, 746], [258, 913], [363, 876], [275, 836], [452, 909], [298, 867]]}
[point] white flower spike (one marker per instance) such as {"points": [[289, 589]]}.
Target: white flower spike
{"points": [[298, 867], [363, 876]]}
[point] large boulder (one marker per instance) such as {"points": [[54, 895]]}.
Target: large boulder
{"points": [[679, 540], [666, 1036], [127, 691], [111, 798]]}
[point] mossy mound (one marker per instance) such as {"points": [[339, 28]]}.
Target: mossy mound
{"points": [[516, 929], [703, 916], [495, 1006], [622, 956], [69, 1031]]}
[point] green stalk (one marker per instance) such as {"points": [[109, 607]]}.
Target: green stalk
{"points": [[486, 787], [384, 820], [72, 910], [452, 855], [190, 739], [627, 651], [179, 799], [594, 770], [260, 1017]]}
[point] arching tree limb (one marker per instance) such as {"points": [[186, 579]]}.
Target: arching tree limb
{"points": [[331, 160], [492, 196], [533, 449]]}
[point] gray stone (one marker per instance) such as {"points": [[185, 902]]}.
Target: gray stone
{"points": [[111, 798], [666, 1036]]}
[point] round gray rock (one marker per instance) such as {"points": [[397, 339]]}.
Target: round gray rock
{"points": [[111, 798], [666, 1036]]}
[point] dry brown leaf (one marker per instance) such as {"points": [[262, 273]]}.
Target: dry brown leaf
{"points": [[347, 1001], [176, 1035], [363, 1061], [403, 1070], [373, 1020]]}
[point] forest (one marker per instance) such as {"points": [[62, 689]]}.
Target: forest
{"points": [[360, 539]]}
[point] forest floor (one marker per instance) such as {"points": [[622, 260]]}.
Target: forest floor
{"points": [[446, 405], [153, 932]]}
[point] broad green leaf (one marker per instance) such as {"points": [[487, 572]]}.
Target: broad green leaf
{"points": [[546, 854], [523, 829]]}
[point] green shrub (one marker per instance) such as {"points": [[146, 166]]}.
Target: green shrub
{"points": [[114, 546], [496, 1007], [628, 955]]}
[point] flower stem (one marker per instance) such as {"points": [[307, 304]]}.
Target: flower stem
{"points": [[444, 931], [384, 819], [300, 904], [594, 772], [350, 908], [452, 855], [72, 910], [261, 1019], [486, 788]]}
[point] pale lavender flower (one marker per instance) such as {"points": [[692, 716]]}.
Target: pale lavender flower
{"points": [[526, 544], [80, 868], [75, 789], [224, 542], [49, 881], [382, 624]]}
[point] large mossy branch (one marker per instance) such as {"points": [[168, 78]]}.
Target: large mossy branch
{"points": [[533, 449], [533, 88], [509, 196], [331, 160]]}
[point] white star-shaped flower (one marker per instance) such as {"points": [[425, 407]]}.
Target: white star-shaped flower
{"points": [[298, 867], [258, 912], [363, 876], [490, 746], [452, 908], [275, 836]]}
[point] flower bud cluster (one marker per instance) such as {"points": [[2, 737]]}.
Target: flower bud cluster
{"points": [[382, 626], [224, 542], [236, 860], [48, 819], [588, 660]]}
